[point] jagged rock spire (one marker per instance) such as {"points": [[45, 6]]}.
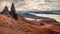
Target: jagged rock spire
{"points": [[13, 12], [13, 8], [5, 10]]}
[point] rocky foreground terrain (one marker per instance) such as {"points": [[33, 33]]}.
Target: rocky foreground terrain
{"points": [[12, 23]]}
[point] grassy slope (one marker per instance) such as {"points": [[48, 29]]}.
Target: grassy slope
{"points": [[21, 26]]}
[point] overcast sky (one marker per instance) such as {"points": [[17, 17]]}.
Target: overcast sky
{"points": [[32, 4]]}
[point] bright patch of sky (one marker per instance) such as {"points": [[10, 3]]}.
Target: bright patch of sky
{"points": [[25, 5]]}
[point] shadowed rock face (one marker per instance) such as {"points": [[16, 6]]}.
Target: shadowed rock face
{"points": [[13, 12], [5, 11]]}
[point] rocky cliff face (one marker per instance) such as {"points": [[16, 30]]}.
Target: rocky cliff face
{"points": [[9, 25], [13, 12], [5, 11]]}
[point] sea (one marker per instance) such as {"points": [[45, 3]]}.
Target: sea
{"points": [[55, 14]]}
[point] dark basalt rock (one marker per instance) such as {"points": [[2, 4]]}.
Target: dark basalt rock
{"points": [[13, 12], [6, 11]]}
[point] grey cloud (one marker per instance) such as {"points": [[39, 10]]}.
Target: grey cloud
{"points": [[21, 4]]}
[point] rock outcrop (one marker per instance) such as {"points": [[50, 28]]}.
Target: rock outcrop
{"points": [[6, 11], [13, 12]]}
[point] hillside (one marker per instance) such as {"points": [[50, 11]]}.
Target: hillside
{"points": [[13, 23], [10, 26]]}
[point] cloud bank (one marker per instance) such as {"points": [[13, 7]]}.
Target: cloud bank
{"points": [[23, 5]]}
